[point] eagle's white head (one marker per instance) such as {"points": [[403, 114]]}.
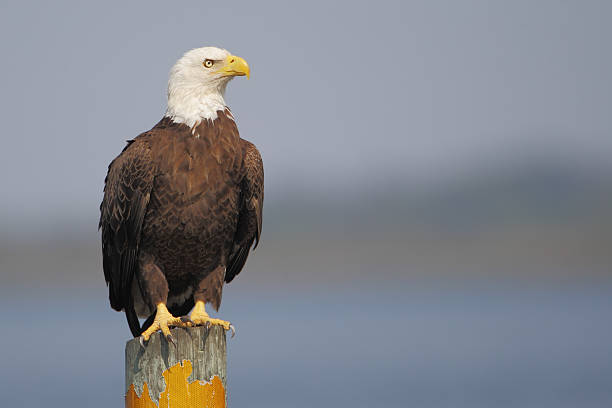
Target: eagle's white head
{"points": [[197, 84]]}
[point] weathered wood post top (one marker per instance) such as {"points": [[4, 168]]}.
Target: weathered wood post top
{"points": [[191, 373]]}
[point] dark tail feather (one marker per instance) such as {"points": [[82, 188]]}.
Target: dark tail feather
{"points": [[133, 322], [147, 323], [131, 316]]}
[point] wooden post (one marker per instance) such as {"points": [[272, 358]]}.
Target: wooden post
{"points": [[191, 373]]}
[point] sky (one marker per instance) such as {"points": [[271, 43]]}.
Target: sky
{"points": [[343, 97]]}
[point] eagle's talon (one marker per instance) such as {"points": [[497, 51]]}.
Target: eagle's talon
{"points": [[199, 317], [163, 321], [187, 321], [170, 339], [141, 341], [233, 329]]}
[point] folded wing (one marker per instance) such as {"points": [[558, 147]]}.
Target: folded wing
{"points": [[251, 207], [127, 190]]}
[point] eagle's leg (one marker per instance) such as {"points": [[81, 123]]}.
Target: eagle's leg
{"points": [[199, 316], [163, 321], [209, 290], [155, 288]]}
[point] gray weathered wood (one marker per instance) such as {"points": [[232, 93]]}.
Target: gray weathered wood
{"points": [[205, 348]]}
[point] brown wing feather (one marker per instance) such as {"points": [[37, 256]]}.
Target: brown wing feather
{"points": [[126, 196], [251, 209]]}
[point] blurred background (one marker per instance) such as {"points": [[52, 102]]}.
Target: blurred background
{"points": [[438, 215]]}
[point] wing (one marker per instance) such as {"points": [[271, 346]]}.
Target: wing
{"points": [[251, 208], [127, 189]]}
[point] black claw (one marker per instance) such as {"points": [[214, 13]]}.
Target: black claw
{"points": [[207, 324], [141, 341], [170, 339]]}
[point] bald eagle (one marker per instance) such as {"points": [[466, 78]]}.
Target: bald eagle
{"points": [[182, 203]]}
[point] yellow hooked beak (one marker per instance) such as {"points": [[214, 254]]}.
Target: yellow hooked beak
{"points": [[234, 66]]}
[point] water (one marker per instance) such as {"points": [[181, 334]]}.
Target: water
{"points": [[418, 344]]}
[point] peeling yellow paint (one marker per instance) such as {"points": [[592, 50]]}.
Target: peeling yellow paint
{"points": [[133, 401], [179, 393]]}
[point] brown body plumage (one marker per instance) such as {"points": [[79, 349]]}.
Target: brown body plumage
{"points": [[182, 207]]}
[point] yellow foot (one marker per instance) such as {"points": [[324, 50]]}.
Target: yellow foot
{"points": [[163, 321], [199, 317]]}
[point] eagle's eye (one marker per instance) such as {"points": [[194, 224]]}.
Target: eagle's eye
{"points": [[208, 63]]}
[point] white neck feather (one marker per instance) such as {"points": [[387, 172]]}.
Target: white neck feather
{"points": [[191, 105]]}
